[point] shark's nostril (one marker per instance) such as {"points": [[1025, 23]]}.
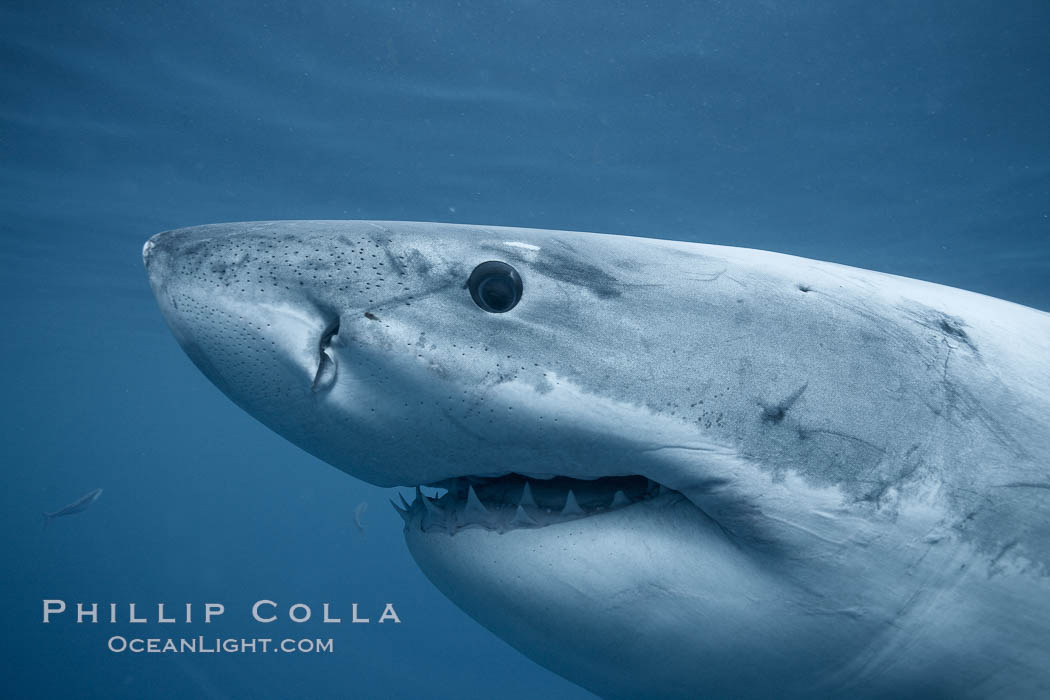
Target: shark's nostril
{"points": [[327, 368], [330, 332]]}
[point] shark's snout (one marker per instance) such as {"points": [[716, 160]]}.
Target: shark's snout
{"points": [[151, 257], [258, 336], [182, 248], [147, 248], [296, 328]]}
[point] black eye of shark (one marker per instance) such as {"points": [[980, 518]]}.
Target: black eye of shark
{"points": [[495, 286]]}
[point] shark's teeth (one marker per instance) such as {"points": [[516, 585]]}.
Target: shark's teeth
{"points": [[405, 513], [432, 508], [514, 501], [526, 497], [474, 506], [571, 506], [522, 519]]}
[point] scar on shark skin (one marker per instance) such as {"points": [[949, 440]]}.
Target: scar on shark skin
{"points": [[776, 412], [953, 327]]}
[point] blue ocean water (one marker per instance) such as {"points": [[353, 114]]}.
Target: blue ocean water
{"points": [[908, 137]]}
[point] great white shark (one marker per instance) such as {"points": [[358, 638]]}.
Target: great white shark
{"points": [[667, 469]]}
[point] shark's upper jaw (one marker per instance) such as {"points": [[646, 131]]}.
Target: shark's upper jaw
{"points": [[391, 395], [516, 501]]}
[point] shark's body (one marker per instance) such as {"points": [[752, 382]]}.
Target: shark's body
{"points": [[673, 469]]}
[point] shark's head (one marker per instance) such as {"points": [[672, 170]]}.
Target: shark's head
{"points": [[661, 468]]}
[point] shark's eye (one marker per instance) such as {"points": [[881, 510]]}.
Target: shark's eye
{"points": [[495, 286]]}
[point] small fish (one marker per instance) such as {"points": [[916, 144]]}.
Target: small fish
{"points": [[358, 512], [75, 507]]}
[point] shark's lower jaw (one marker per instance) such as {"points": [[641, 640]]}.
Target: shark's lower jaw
{"points": [[514, 501]]}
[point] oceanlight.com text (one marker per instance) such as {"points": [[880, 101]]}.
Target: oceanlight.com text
{"points": [[218, 645]]}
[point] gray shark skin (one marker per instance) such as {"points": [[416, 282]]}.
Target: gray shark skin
{"points": [[672, 469]]}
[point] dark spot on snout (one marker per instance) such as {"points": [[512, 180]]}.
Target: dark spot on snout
{"points": [[371, 316], [804, 288]]}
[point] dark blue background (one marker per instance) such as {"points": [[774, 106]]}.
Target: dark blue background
{"points": [[910, 137]]}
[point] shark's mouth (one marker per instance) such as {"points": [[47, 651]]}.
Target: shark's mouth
{"points": [[515, 501]]}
